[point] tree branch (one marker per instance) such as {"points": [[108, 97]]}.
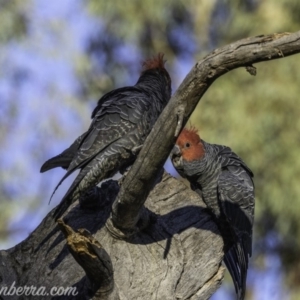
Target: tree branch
{"points": [[142, 175], [92, 257]]}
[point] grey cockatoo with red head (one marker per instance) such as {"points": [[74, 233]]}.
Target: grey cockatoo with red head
{"points": [[225, 184]]}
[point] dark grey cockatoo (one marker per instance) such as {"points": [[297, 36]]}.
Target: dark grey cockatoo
{"points": [[121, 122]]}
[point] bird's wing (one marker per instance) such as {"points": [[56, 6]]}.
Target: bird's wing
{"points": [[236, 195], [117, 116], [109, 95], [65, 158], [113, 120], [231, 158]]}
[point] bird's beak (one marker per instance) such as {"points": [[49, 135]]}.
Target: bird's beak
{"points": [[176, 156], [175, 151]]}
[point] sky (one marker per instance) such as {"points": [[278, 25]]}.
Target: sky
{"points": [[42, 76]]}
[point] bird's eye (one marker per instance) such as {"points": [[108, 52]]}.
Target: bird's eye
{"points": [[187, 145]]}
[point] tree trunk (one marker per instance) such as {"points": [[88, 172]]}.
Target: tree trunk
{"points": [[177, 252]]}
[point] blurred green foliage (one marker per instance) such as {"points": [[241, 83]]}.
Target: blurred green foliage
{"points": [[257, 116], [13, 16]]}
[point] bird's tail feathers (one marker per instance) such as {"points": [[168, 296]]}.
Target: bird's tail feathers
{"points": [[60, 182], [236, 261], [71, 195], [68, 198], [76, 182]]}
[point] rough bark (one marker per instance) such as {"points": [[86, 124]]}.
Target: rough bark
{"points": [[170, 246]]}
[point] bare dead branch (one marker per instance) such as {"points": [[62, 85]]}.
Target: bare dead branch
{"points": [[92, 257]]}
